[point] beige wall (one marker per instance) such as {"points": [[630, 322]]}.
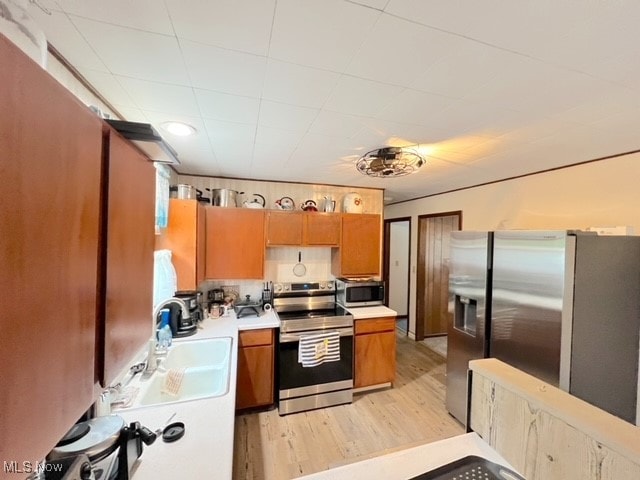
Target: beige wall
{"points": [[299, 192], [605, 193]]}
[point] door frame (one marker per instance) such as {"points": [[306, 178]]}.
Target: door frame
{"points": [[387, 259], [421, 271]]}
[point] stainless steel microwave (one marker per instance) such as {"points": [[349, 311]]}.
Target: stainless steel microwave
{"points": [[358, 293]]}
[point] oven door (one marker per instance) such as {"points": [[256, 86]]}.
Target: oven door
{"points": [[296, 380]]}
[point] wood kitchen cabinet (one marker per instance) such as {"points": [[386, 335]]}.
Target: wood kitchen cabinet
{"points": [[50, 165], [302, 229], [234, 243], [255, 377], [375, 351], [130, 219], [359, 252], [185, 237]]}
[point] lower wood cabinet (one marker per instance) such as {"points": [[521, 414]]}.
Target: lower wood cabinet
{"points": [[255, 378], [375, 351]]}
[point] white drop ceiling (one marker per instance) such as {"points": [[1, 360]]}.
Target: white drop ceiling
{"points": [[297, 90]]}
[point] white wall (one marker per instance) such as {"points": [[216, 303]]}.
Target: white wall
{"points": [[604, 193], [399, 267]]}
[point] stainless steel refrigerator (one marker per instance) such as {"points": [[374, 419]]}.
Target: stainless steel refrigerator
{"points": [[469, 312], [564, 306]]}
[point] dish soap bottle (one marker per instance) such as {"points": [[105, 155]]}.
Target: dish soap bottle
{"points": [[164, 332]]}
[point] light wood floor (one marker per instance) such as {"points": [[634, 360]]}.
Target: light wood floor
{"points": [[270, 447]]}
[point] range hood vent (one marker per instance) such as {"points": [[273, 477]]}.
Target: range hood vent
{"points": [[147, 139]]}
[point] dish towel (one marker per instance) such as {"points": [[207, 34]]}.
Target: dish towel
{"points": [[317, 348]]}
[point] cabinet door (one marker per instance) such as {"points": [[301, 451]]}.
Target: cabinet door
{"points": [[50, 166], [322, 229], [184, 236], [284, 228], [235, 243], [255, 377], [375, 359], [129, 260], [359, 252]]}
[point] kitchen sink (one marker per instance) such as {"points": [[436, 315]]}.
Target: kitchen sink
{"points": [[205, 367], [197, 382]]}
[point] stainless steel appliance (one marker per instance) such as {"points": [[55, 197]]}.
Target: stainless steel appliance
{"points": [[565, 307], [470, 304], [359, 293], [106, 448], [306, 309]]}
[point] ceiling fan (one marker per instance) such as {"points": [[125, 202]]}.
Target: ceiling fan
{"points": [[390, 162]]}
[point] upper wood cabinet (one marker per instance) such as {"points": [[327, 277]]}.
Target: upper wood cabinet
{"points": [[234, 243], [50, 165], [302, 229], [359, 252], [129, 254], [185, 237]]}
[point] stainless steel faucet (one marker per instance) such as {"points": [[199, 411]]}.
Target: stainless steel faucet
{"points": [[185, 310]]}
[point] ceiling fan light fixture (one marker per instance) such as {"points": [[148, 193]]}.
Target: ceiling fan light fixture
{"points": [[390, 162]]}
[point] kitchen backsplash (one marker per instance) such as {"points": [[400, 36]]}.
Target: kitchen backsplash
{"points": [[279, 265]]}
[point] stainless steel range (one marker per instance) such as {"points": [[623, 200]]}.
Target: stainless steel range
{"points": [[315, 349]]}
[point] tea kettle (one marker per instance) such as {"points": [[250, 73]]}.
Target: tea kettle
{"points": [[309, 206], [258, 202]]}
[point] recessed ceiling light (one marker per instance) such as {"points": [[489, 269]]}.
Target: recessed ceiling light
{"points": [[178, 128]]}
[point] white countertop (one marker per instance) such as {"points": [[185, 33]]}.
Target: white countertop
{"points": [[403, 464], [206, 450], [371, 312]]}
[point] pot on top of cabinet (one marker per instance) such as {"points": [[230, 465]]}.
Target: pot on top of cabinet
{"points": [[258, 201], [352, 203], [224, 197]]}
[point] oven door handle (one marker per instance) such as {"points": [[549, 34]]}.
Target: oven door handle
{"points": [[295, 337]]}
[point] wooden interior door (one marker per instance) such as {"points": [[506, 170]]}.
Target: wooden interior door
{"points": [[432, 309]]}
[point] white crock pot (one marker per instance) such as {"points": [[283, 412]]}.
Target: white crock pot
{"points": [[352, 203]]}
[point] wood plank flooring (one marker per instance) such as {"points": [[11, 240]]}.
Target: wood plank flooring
{"points": [[270, 447]]}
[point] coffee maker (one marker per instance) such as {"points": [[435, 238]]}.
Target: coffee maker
{"points": [[193, 301]]}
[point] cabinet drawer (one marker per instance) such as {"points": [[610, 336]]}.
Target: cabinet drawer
{"points": [[372, 325], [253, 338]]}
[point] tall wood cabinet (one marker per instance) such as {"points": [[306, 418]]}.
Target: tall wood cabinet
{"points": [[375, 352], [50, 165], [185, 237], [359, 252], [129, 254], [234, 243]]}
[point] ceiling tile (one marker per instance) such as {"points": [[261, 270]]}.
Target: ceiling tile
{"points": [[232, 108], [287, 117], [160, 97], [64, 36], [226, 71], [109, 86], [323, 34], [357, 96], [377, 4], [230, 133], [243, 25], [298, 85], [147, 15], [415, 107], [334, 124], [134, 53], [395, 51]]}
